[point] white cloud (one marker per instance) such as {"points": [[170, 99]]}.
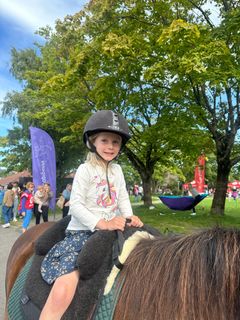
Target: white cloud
{"points": [[39, 13]]}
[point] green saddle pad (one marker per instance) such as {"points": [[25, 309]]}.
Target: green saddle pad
{"points": [[105, 309], [108, 303], [15, 311]]}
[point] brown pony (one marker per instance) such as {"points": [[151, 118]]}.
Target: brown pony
{"points": [[193, 277], [21, 251]]}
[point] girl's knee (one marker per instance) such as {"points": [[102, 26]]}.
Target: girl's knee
{"points": [[62, 293], [59, 295]]}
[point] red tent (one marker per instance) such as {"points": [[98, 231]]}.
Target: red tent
{"points": [[234, 184], [194, 184]]}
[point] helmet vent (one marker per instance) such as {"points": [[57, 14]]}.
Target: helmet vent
{"points": [[115, 122]]}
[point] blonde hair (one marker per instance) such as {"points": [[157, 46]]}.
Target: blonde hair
{"points": [[29, 184], [95, 160]]}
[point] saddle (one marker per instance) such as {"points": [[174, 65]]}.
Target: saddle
{"points": [[95, 262]]}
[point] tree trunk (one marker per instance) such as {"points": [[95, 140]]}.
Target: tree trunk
{"points": [[145, 171], [219, 199], [147, 188]]}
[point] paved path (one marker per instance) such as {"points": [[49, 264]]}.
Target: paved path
{"points": [[7, 238]]}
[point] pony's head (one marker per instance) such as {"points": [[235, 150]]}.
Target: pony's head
{"points": [[183, 277]]}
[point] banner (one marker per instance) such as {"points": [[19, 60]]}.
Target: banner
{"points": [[199, 176], [43, 161]]}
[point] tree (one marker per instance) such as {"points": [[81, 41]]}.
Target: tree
{"points": [[109, 66], [203, 61], [104, 57]]}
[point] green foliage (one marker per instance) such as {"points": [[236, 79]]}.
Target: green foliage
{"points": [[18, 149], [163, 64]]}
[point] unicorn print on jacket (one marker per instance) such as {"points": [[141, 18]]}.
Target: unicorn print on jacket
{"points": [[103, 198]]}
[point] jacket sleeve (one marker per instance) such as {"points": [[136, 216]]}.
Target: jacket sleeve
{"points": [[23, 204], [78, 207]]}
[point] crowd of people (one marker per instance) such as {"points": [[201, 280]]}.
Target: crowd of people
{"points": [[21, 202]]}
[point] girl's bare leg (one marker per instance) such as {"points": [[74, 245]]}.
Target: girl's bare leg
{"points": [[60, 296]]}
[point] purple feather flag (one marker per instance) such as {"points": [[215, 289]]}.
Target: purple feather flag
{"points": [[43, 161]]}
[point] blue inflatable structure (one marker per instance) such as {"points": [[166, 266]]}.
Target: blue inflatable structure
{"points": [[182, 203]]}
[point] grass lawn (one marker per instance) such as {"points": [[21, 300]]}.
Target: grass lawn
{"points": [[167, 220]]}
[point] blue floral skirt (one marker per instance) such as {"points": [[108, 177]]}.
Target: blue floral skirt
{"points": [[61, 258]]}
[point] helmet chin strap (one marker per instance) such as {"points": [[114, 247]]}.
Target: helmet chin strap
{"points": [[91, 146]]}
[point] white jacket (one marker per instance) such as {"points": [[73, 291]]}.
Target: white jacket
{"points": [[90, 200]]}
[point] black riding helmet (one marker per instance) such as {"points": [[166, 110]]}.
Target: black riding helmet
{"points": [[106, 121]]}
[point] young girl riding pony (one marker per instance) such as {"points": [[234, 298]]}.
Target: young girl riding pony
{"points": [[99, 201]]}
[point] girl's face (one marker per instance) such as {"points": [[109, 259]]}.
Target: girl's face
{"points": [[31, 187], [108, 145]]}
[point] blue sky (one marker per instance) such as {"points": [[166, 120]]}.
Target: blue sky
{"points": [[18, 22]]}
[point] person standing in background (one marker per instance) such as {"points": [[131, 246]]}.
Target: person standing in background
{"points": [[1, 198], [234, 194], [8, 200], [140, 192], [16, 191], [66, 194], [135, 192], [48, 194]]}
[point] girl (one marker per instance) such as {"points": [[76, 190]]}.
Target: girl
{"points": [[99, 201], [47, 196], [38, 197], [26, 205]]}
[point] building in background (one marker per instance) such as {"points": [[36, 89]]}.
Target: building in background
{"points": [[20, 177]]}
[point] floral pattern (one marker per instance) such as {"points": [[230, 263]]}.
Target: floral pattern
{"points": [[61, 258]]}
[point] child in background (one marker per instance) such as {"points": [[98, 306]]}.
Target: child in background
{"points": [[39, 196], [26, 205], [99, 201]]}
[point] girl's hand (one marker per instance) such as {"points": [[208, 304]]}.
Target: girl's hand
{"points": [[117, 223], [23, 214], [135, 222]]}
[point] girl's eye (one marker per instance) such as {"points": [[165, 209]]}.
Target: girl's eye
{"points": [[105, 141]]}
